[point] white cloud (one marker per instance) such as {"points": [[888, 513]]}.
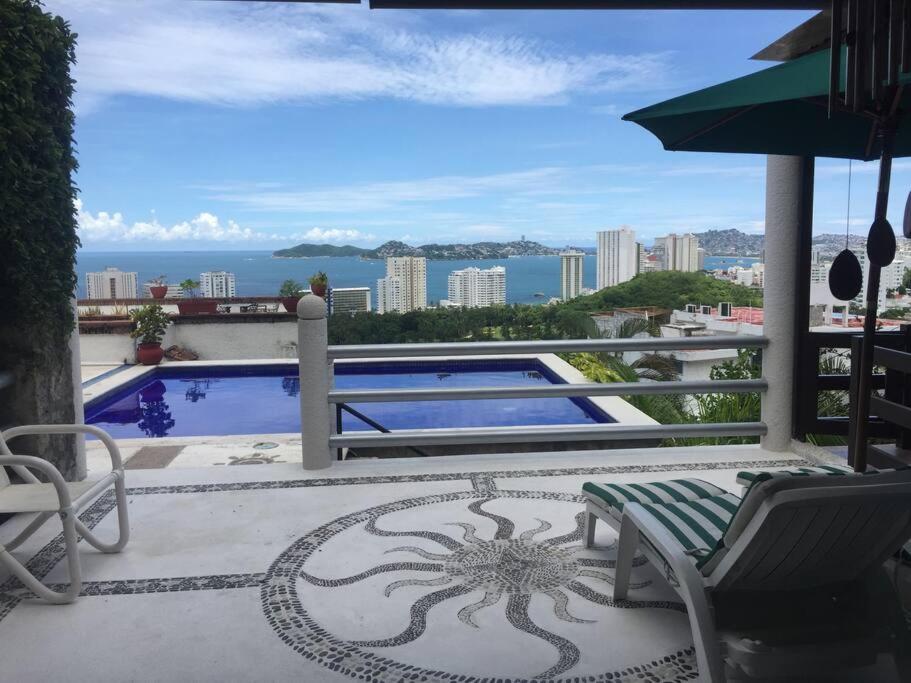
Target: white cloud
{"points": [[205, 227], [383, 195], [234, 54], [335, 235]]}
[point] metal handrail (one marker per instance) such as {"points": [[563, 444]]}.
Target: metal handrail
{"points": [[533, 434], [551, 346], [370, 422], [549, 391]]}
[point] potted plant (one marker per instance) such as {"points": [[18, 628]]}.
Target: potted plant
{"points": [[290, 293], [192, 303], [149, 325], [159, 286], [318, 283]]}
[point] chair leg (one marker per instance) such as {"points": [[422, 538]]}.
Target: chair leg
{"points": [[590, 521], [123, 523], [705, 638], [626, 553], [32, 527], [71, 540]]}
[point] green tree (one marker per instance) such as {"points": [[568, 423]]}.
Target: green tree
{"points": [[668, 289], [734, 407], [37, 224]]}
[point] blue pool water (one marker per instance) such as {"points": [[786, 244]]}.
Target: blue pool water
{"points": [[175, 401]]}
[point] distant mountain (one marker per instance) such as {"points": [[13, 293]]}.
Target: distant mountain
{"points": [[308, 250], [730, 242], [479, 250]]}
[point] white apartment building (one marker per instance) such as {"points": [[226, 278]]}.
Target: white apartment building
{"points": [[890, 277], [681, 252], [411, 272], [571, 274], [617, 259], [112, 283], [389, 295], [659, 249], [349, 299], [474, 288], [217, 284]]}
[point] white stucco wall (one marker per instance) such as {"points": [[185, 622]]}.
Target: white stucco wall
{"points": [[237, 341], [106, 348], [212, 341]]}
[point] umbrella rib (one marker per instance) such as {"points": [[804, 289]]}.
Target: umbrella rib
{"points": [[712, 126]]}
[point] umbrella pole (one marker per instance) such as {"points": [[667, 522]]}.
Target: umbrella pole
{"points": [[861, 414]]}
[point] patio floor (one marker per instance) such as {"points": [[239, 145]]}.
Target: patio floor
{"points": [[441, 569]]}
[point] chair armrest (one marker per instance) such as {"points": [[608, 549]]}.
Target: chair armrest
{"points": [[52, 473], [103, 436]]}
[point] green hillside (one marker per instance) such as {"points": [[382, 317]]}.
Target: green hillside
{"points": [[305, 250], [669, 289]]}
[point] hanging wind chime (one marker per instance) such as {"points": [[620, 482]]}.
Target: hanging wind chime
{"points": [[876, 35]]}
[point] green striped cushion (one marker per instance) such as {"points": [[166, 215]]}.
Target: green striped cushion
{"points": [[615, 496], [750, 477], [698, 525]]}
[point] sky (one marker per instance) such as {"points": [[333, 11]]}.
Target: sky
{"points": [[240, 125]]}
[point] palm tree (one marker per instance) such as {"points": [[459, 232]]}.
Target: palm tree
{"points": [[608, 366]]}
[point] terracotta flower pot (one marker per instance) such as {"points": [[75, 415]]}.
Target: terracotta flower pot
{"points": [[158, 291], [149, 354], [197, 306], [290, 303], [318, 290]]}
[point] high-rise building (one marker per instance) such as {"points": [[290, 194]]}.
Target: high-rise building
{"points": [[412, 274], [389, 294], [890, 277], [110, 284], [700, 259], [658, 251], [617, 258], [217, 284], [350, 299], [681, 252], [571, 274], [819, 269], [473, 287]]}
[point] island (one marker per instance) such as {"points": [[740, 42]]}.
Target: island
{"points": [[439, 252]]}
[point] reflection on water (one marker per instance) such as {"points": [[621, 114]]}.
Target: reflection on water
{"points": [[291, 386], [198, 388], [156, 419], [177, 402]]}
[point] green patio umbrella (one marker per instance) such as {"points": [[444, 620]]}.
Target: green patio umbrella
{"points": [[786, 110], [780, 110]]}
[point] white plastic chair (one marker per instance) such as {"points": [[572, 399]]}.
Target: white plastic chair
{"points": [[56, 497], [789, 535]]}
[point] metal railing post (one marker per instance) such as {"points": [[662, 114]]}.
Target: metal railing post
{"points": [[313, 364]]}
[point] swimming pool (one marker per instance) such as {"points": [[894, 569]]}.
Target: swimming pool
{"points": [[263, 399]]}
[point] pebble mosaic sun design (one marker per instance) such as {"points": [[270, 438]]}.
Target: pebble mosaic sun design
{"points": [[508, 568], [505, 570]]}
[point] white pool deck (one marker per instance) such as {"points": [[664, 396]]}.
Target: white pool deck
{"points": [[371, 570]]}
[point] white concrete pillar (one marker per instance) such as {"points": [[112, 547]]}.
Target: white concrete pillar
{"points": [[78, 406], [313, 362], [786, 209]]}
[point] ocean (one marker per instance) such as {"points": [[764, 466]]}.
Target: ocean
{"points": [[258, 274]]}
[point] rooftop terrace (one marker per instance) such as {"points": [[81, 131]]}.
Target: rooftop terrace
{"points": [[374, 570]]}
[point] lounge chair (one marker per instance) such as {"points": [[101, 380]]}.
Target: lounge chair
{"points": [[787, 580], [56, 497]]}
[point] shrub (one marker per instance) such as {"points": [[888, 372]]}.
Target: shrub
{"points": [[150, 323]]}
